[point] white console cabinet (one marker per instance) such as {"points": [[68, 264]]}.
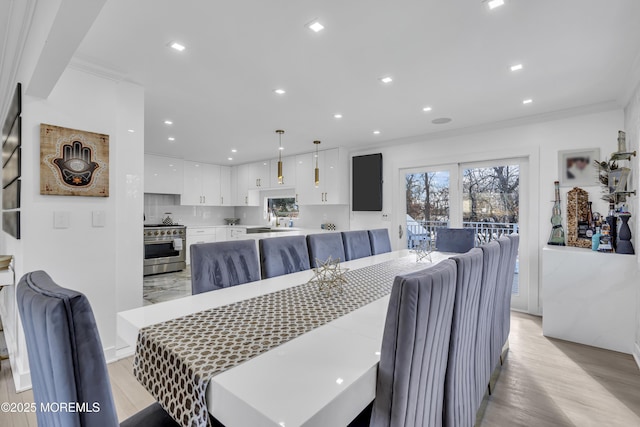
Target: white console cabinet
{"points": [[589, 297]]}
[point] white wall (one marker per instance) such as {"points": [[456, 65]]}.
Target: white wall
{"points": [[632, 127], [540, 142], [103, 263]]}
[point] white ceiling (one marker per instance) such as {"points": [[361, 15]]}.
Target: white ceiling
{"points": [[451, 55]]}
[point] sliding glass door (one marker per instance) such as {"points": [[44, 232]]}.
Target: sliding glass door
{"points": [[487, 197]]}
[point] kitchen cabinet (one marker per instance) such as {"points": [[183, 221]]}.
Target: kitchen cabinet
{"points": [[197, 235], [288, 172], [163, 175], [245, 193], [225, 186], [201, 184], [259, 173], [236, 233], [334, 180]]}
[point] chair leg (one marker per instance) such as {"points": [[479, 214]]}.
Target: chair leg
{"points": [[501, 360], [489, 388]]}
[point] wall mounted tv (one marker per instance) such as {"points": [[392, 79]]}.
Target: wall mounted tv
{"points": [[367, 183]]}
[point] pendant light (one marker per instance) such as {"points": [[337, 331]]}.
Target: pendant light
{"points": [[317, 171], [280, 177]]}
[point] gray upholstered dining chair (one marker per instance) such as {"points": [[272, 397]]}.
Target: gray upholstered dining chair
{"points": [[66, 357], [220, 265], [283, 255], [457, 240], [502, 297], [325, 245], [379, 239], [356, 244], [484, 368], [460, 405], [506, 307], [415, 344]]}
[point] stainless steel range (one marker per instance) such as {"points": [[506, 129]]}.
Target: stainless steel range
{"points": [[164, 248]]}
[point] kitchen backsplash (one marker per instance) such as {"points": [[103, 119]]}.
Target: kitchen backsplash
{"points": [[310, 216], [155, 206]]}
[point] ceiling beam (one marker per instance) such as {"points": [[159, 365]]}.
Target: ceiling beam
{"points": [[73, 20]]}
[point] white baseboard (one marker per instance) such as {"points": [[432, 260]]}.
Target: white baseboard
{"points": [[636, 354], [125, 352]]}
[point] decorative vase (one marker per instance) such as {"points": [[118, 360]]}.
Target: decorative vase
{"points": [[624, 245]]}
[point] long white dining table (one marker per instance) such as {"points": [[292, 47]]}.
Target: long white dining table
{"points": [[324, 377]]}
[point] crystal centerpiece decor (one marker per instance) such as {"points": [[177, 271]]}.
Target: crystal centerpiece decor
{"points": [[423, 250], [329, 276]]}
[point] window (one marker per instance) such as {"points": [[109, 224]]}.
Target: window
{"points": [[282, 207]]}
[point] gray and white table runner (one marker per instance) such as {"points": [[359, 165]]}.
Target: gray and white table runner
{"points": [[176, 359]]}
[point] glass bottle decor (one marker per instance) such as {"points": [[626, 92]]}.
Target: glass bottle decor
{"points": [[590, 222], [612, 220], [605, 239], [557, 232]]}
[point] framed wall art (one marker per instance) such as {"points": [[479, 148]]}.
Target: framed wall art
{"points": [[73, 162], [12, 165], [575, 167]]}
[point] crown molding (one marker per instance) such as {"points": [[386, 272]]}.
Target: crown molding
{"points": [[501, 124]]}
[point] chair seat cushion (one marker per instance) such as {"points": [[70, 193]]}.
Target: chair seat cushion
{"points": [[151, 416]]}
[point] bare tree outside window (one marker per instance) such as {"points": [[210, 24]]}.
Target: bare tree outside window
{"points": [[491, 194]]}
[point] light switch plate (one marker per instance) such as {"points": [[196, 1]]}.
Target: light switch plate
{"points": [[61, 219], [97, 218]]}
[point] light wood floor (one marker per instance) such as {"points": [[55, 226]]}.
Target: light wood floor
{"points": [[544, 382]]}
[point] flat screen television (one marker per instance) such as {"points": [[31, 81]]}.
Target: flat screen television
{"points": [[367, 183]]}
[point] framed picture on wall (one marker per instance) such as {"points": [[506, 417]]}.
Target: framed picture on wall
{"points": [[73, 162], [576, 169]]}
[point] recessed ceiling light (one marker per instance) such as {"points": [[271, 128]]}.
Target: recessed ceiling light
{"points": [[171, 138], [229, 158], [516, 67], [170, 166], [280, 91], [280, 148], [315, 26], [527, 101], [177, 46], [441, 120], [376, 132], [426, 109], [168, 122], [495, 3], [233, 150], [337, 116], [386, 79], [130, 130]]}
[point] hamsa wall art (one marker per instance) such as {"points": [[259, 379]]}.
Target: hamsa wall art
{"points": [[73, 162]]}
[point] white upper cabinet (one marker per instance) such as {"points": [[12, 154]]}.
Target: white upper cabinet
{"points": [[202, 184], [163, 175], [333, 188], [288, 173], [259, 175], [244, 185], [305, 191], [334, 177], [225, 186]]}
